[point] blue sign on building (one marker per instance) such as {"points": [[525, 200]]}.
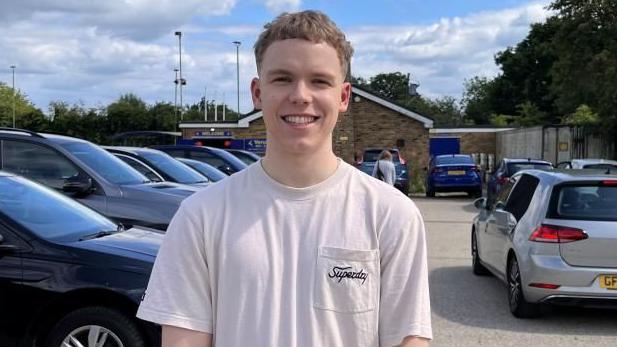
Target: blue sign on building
{"points": [[255, 145]]}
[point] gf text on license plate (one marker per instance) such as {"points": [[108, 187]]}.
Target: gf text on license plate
{"points": [[608, 281]]}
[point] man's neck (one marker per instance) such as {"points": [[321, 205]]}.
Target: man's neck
{"points": [[300, 171]]}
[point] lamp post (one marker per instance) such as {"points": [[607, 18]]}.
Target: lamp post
{"points": [[13, 87], [182, 81], [176, 95], [237, 43]]}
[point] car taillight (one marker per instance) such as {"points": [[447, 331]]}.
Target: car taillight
{"points": [[557, 234], [545, 285], [502, 180], [437, 170], [609, 183], [476, 168]]}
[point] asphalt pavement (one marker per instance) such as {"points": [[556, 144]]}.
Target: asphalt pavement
{"points": [[473, 311]]}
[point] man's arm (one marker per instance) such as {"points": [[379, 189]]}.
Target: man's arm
{"points": [[179, 337], [414, 341]]}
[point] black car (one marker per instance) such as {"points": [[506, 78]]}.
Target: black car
{"points": [[159, 166], [68, 275], [226, 162]]}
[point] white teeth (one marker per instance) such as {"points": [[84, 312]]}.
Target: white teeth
{"points": [[299, 119]]}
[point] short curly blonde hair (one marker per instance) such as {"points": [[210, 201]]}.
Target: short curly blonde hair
{"points": [[309, 25]]}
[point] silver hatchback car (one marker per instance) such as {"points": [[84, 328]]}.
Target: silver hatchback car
{"points": [[552, 238]]}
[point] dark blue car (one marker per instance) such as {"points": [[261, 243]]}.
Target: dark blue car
{"points": [[453, 173], [508, 167], [220, 159]]}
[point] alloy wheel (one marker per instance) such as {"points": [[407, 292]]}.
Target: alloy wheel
{"points": [[92, 336]]}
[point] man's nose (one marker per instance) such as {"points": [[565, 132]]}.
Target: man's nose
{"points": [[301, 93]]}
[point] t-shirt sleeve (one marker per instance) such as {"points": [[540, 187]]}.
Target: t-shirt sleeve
{"points": [[404, 301], [179, 290]]}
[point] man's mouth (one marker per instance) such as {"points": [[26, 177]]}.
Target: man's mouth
{"points": [[299, 119]]}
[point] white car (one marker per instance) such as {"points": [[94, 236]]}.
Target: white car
{"points": [[588, 164]]}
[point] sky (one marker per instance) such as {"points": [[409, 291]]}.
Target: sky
{"points": [[91, 52]]}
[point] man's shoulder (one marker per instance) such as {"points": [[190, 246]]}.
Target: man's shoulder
{"points": [[227, 188]]}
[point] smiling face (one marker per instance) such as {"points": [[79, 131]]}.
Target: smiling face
{"points": [[301, 91]]}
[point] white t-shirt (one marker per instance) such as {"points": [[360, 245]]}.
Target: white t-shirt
{"points": [[387, 170], [253, 262]]}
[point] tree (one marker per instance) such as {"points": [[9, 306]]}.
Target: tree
{"points": [[584, 115], [393, 85], [477, 100], [128, 113], [26, 114]]}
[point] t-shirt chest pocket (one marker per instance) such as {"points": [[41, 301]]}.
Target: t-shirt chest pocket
{"points": [[346, 280]]}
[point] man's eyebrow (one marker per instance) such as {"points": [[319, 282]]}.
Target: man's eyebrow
{"points": [[278, 72]]}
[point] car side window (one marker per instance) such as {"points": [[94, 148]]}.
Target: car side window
{"points": [[502, 197], [139, 166], [208, 158], [520, 198], [175, 152], [37, 162]]}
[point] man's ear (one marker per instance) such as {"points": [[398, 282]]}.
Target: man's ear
{"points": [[256, 93], [345, 96]]}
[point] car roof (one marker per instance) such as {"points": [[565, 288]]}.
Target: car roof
{"points": [[6, 174], [133, 150], [566, 175], [62, 139], [380, 149], [593, 161], [528, 160], [453, 156]]}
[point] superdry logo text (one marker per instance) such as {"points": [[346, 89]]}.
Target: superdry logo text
{"points": [[347, 272]]}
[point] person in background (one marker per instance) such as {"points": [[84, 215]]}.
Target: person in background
{"points": [[300, 249], [384, 168]]}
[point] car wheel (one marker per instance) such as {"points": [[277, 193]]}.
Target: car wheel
{"points": [[519, 307], [96, 326], [476, 193], [430, 192], [476, 265]]}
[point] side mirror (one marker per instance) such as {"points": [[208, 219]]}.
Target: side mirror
{"points": [[8, 248], [78, 185], [480, 203], [226, 169], [500, 206]]}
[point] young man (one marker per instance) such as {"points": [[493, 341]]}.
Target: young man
{"points": [[300, 249]]}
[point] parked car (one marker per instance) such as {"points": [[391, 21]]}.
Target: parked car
{"points": [[159, 166], [369, 158], [588, 164], [213, 174], [550, 236], [218, 158], [453, 173], [68, 275], [508, 167], [247, 157], [91, 175]]}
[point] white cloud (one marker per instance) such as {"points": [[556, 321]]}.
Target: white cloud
{"points": [[277, 6], [443, 54]]}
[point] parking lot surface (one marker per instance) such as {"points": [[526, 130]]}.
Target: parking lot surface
{"points": [[473, 311]]}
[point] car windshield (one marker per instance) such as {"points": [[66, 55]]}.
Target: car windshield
{"points": [[231, 159], [208, 170], [587, 202], [48, 214], [516, 167], [455, 159], [178, 171], [105, 164], [373, 155]]}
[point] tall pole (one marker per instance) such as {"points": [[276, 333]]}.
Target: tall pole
{"points": [[179, 34], [237, 43], [13, 87], [176, 81], [205, 104]]}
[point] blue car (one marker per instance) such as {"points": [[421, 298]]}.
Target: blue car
{"points": [[213, 174], [220, 159], [508, 167], [453, 173]]}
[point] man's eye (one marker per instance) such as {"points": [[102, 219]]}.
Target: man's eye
{"points": [[281, 79], [322, 82]]}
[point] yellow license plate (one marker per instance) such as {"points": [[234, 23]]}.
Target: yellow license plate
{"points": [[456, 173], [608, 281]]}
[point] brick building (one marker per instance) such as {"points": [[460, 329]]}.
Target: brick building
{"points": [[370, 121]]}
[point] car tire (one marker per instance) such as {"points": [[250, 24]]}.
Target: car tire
{"points": [[116, 327], [476, 264], [430, 192], [476, 193], [519, 307]]}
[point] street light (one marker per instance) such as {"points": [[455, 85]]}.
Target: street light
{"points": [[182, 80], [13, 68], [176, 95], [237, 43]]}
